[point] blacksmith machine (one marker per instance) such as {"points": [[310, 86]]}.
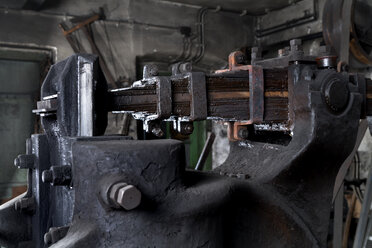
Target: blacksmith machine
{"points": [[292, 121]]}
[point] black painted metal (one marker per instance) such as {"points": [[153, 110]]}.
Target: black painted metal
{"points": [[264, 195]]}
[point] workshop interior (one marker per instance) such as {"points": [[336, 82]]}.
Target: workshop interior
{"points": [[186, 123]]}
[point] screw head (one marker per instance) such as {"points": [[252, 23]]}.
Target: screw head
{"points": [[129, 197]]}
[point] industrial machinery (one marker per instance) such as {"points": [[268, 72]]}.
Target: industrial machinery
{"points": [[292, 122]]}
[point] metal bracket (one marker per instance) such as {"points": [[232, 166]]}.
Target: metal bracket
{"points": [[164, 97], [198, 92], [256, 94]]}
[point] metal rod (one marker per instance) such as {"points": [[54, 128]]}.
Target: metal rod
{"points": [[81, 24], [205, 152], [360, 234], [345, 238], [338, 218]]}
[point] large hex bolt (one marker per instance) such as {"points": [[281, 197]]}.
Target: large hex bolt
{"points": [[125, 196], [57, 175], [26, 204], [25, 161]]}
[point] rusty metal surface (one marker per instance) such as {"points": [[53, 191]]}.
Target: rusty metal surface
{"points": [[256, 97], [224, 93]]}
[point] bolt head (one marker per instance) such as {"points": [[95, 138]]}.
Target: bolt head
{"points": [[185, 67], [17, 162], [47, 176], [129, 197], [295, 42], [114, 191], [243, 133]]}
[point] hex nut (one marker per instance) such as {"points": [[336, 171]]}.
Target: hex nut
{"points": [[114, 191], [129, 197]]}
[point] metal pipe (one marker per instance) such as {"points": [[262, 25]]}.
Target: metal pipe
{"points": [[205, 152]]}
